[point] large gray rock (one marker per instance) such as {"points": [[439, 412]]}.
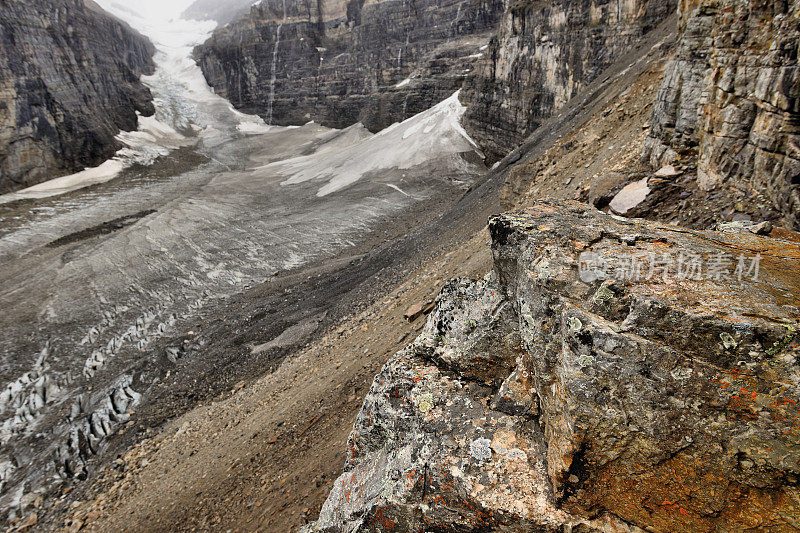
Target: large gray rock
{"points": [[655, 388], [731, 99], [69, 82]]}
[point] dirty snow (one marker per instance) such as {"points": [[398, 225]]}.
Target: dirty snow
{"points": [[431, 134]]}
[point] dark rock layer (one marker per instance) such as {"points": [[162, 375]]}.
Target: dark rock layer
{"points": [[649, 382], [731, 98], [69, 82], [341, 62]]}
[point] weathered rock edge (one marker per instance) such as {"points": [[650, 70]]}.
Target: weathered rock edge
{"points": [[546, 398]]}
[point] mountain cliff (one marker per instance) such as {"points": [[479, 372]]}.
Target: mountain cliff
{"points": [[340, 62], [69, 82], [382, 61], [542, 55], [730, 100]]}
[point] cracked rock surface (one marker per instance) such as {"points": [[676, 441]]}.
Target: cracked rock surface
{"points": [[565, 392]]}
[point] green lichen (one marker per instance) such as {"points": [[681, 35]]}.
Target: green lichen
{"points": [[425, 402], [782, 344], [603, 295], [574, 324], [728, 341]]}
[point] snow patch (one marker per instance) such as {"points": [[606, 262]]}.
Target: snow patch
{"points": [[431, 134]]}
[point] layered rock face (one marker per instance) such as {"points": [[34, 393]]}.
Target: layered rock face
{"points": [[69, 82], [608, 375], [382, 61], [339, 63], [543, 54], [731, 98]]}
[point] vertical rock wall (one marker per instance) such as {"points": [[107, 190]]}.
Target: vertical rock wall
{"points": [[731, 98], [336, 62], [69, 82], [381, 61], [543, 54]]}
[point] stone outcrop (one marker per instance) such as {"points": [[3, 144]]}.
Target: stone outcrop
{"points": [[607, 375], [731, 98], [340, 62], [542, 55], [69, 82]]}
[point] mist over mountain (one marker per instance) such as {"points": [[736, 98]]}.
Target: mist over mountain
{"points": [[222, 12]]}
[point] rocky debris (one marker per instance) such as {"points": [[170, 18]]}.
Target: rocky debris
{"points": [[542, 55], [340, 63], [655, 382], [418, 309], [69, 82], [413, 312], [730, 99], [745, 227]]}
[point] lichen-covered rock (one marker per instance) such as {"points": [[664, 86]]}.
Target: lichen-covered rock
{"points": [[69, 82], [472, 332], [731, 96], [663, 374]]}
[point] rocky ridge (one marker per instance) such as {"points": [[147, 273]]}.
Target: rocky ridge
{"points": [[607, 375], [69, 82], [730, 100]]}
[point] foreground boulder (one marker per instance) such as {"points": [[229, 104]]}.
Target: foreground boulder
{"points": [[607, 375]]}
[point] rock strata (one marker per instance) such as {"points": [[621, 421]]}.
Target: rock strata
{"points": [[542, 55], [339, 63], [383, 61], [607, 375], [69, 82], [731, 99]]}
